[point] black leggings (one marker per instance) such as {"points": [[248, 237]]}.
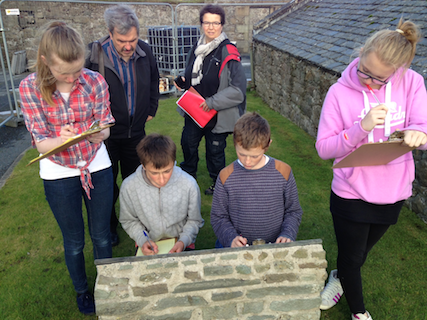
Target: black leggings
{"points": [[355, 240]]}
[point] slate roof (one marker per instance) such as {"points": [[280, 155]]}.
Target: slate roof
{"points": [[326, 32]]}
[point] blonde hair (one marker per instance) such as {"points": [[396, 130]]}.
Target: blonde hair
{"points": [[395, 48], [64, 42]]}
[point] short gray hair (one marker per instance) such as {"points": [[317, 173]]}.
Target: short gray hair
{"points": [[122, 18]]}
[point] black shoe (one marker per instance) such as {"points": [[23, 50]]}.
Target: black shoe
{"points": [[114, 239], [86, 303], [210, 191]]}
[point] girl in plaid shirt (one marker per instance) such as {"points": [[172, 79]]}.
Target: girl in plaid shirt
{"points": [[59, 101]]}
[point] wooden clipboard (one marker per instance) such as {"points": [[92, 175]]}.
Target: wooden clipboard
{"points": [[69, 143], [374, 154]]}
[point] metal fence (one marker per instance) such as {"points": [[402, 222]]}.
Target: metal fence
{"points": [[170, 44]]}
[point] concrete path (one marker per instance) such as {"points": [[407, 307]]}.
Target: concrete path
{"points": [[14, 141]]}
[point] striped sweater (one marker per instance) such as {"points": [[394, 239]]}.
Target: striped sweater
{"points": [[255, 204]]}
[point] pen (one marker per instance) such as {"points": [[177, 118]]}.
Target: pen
{"points": [[373, 94], [149, 241]]}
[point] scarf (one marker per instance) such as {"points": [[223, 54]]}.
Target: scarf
{"points": [[202, 50]]}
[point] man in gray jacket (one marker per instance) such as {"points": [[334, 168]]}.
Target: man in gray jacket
{"points": [[160, 200]]}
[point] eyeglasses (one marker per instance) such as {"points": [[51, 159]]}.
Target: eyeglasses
{"points": [[374, 80], [214, 24]]}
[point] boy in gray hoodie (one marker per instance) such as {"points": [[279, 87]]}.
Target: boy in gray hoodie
{"points": [[159, 200]]}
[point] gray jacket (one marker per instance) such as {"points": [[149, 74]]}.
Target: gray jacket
{"points": [[230, 98], [167, 212]]}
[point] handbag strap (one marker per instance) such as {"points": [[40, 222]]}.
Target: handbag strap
{"points": [[101, 60]]}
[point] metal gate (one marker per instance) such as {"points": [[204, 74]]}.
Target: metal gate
{"points": [[170, 44]]}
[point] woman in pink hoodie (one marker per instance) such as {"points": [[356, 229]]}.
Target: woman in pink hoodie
{"points": [[365, 201]]}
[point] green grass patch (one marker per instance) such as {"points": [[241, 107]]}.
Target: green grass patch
{"points": [[34, 282]]}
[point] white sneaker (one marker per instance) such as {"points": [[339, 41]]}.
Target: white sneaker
{"points": [[332, 292], [361, 316]]}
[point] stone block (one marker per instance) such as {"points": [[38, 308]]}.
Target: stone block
{"points": [[229, 257], [111, 281], [267, 317], [153, 277], [184, 315], [208, 260], [274, 278], [154, 266], [280, 255], [120, 308], [297, 304], [315, 265], [242, 269], [192, 275], [214, 271], [150, 290], [187, 301], [248, 256], [262, 267], [215, 284], [262, 256], [228, 311], [280, 291], [171, 265], [226, 295], [283, 265]]}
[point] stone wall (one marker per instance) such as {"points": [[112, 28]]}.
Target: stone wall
{"points": [[87, 18], [296, 89], [418, 201], [274, 281]]}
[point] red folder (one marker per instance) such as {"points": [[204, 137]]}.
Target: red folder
{"points": [[190, 103]]}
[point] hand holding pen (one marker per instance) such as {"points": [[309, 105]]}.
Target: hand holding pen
{"points": [[149, 247], [68, 131], [376, 115]]}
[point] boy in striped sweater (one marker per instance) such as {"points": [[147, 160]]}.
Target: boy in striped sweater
{"points": [[256, 196]]}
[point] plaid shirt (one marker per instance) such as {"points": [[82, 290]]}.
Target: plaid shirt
{"points": [[126, 72], [89, 101]]}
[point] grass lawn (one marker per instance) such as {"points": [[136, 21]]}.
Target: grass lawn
{"points": [[34, 282]]}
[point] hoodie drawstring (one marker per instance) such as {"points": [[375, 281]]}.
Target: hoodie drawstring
{"points": [[388, 116]]}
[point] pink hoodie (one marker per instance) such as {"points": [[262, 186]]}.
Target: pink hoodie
{"points": [[340, 132]]}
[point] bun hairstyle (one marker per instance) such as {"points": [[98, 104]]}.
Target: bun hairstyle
{"points": [[395, 48], [58, 40]]}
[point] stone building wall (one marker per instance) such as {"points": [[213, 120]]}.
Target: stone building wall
{"points": [[87, 18], [275, 281], [296, 89]]}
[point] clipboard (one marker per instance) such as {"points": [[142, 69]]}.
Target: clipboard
{"points": [[374, 154], [94, 128], [164, 246]]}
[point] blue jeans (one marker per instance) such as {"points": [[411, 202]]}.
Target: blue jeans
{"points": [[65, 200], [215, 146]]}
